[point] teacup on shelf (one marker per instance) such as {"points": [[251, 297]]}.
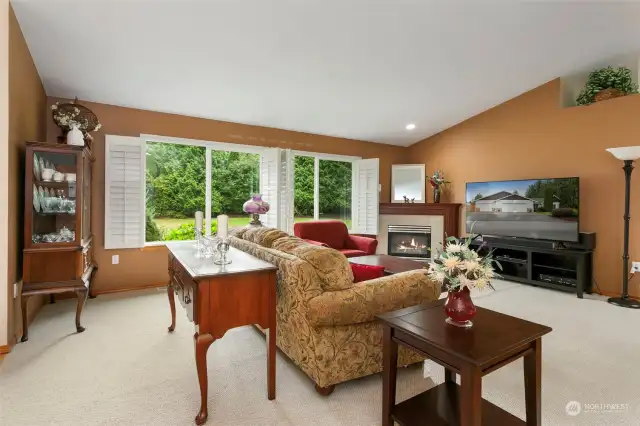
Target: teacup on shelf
{"points": [[58, 177], [70, 177], [47, 174], [51, 204]]}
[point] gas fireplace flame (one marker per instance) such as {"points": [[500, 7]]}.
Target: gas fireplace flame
{"points": [[412, 245]]}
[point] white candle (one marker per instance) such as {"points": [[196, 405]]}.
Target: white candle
{"points": [[199, 217], [223, 225]]}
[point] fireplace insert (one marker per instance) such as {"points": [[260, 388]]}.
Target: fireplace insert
{"points": [[409, 241]]}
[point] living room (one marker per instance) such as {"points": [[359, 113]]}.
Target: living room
{"points": [[311, 129]]}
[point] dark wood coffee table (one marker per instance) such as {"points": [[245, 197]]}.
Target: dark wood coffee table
{"points": [[392, 264], [494, 341]]}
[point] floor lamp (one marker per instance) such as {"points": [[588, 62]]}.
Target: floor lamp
{"points": [[628, 154]]}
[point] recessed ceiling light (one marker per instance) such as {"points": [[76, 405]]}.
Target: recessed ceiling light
{"points": [[410, 126]]}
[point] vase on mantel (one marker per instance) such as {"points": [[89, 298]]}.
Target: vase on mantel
{"points": [[436, 195], [460, 308]]}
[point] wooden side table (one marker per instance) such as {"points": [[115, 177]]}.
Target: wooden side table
{"points": [[494, 341]]}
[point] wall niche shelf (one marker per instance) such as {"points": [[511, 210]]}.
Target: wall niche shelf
{"points": [[572, 84]]}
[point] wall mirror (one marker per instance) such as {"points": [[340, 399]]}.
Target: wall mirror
{"points": [[408, 180]]}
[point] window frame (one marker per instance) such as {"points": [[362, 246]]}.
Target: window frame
{"points": [[250, 149], [317, 157], [209, 146]]}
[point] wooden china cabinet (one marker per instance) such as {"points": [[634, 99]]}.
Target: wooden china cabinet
{"points": [[58, 253]]}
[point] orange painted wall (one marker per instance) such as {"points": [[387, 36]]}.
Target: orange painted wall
{"points": [[148, 267], [27, 121], [531, 136]]}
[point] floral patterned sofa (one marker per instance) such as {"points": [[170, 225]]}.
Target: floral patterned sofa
{"points": [[326, 323]]}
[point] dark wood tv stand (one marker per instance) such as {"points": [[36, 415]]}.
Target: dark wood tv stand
{"points": [[565, 269]]}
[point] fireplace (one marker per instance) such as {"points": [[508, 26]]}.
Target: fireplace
{"points": [[409, 241]]}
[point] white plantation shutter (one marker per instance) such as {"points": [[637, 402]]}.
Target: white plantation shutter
{"points": [[124, 192], [270, 174], [365, 196], [285, 219]]}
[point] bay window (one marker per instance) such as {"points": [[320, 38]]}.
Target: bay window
{"points": [[184, 176]]}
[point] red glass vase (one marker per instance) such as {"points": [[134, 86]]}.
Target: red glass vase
{"points": [[460, 308]]}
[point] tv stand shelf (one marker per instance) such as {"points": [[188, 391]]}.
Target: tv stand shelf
{"points": [[564, 269]]}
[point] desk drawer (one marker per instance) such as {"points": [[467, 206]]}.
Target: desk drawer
{"points": [[185, 288]]}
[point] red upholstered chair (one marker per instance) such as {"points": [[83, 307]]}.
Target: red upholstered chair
{"points": [[334, 234]]}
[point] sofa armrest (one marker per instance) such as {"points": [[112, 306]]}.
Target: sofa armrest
{"points": [[362, 302], [367, 245], [317, 243]]}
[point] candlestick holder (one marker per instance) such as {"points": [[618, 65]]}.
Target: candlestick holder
{"points": [[198, 238], [223, 248], [207, 247]]}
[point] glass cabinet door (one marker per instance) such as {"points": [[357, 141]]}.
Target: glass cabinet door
{"points": [[86, 199], [54, 197]]}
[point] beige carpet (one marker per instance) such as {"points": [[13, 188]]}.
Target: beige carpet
{"points": [[126, 370]]}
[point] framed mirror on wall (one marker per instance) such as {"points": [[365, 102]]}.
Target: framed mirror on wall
{"points": [[408, 180]]}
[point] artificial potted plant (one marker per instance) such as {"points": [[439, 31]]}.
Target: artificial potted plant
{"points": [[607, 83]]}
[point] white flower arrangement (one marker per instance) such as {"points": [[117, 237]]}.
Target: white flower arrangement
{"points": [[66, 118], [458, 266]]}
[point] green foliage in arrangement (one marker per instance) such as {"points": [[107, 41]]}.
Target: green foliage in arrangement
{"points": [[186, 232], [605, 78]]}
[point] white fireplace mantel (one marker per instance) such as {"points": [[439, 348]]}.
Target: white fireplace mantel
{"points": [[443, 218]]}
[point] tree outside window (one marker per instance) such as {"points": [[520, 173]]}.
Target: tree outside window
{"points": [[176, 188]]}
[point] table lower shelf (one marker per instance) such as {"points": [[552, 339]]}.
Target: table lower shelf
{"points": [[439, 406]]}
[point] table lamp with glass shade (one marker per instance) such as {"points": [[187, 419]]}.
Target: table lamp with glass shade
{"points": [[256, 206], [628, 154]]}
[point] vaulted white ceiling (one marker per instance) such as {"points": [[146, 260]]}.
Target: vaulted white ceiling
{"points": [[355, 69]]}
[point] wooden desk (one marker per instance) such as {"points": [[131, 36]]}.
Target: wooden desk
{"points": [[218, 298], [494, 341]]}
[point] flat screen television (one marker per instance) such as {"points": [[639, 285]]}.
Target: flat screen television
{"points": [[533, 208]]}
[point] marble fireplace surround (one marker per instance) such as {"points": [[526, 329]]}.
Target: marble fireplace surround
{"points": [[443, 218]]}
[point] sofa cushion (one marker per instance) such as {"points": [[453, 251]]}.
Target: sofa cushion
{"points": [[366, 272], [317, 243], [332, 266], [263, 236], [287, 244], [332, 232], [352, 253], [238, 231]]}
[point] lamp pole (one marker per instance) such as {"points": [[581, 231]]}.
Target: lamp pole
{"points": [[624, 300]]}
